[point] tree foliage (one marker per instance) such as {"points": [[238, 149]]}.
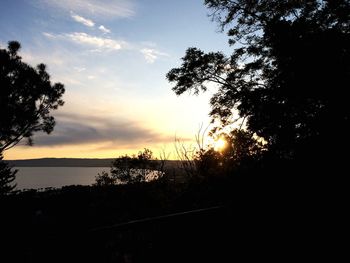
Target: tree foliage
{"points": [[27, 97], [7, 176], [132, 169], [242, 149], [104, 179], [287, 76]]}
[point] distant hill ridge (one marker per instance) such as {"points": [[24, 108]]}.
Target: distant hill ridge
{"points": [[62, 162], [72, 162]]}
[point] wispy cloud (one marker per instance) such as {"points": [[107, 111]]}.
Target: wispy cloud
{"points": [[82, 20], [104, 29], [79, 69], [151, 55], [106, 44], [100, 8], [49, 35], [99, 43]]}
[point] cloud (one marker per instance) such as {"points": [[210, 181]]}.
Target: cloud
{"points": [[74, 129], [49, 35], [104, 29], [82, 20], [79, 69], [96, 42], [97, 8], [101, 44], [151, 55]]}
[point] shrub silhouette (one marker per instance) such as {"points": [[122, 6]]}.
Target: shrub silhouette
{"points": [[7, 176], [131, 169]]}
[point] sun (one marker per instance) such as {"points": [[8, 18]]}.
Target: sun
{"points": [[219, 144]]}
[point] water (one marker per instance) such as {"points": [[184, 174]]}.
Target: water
{"points": [[42, 177]]}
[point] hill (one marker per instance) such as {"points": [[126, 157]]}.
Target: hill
{"points": [[62, 162], [73, 162]]}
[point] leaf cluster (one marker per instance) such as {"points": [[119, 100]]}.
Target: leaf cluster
{"points": [[131, 169], [27, 97], [7, 176]]}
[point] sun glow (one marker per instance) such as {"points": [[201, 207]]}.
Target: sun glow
{"points": [[219, 144]]}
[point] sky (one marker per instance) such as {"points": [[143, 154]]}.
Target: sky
{"points": [[112, 56]]}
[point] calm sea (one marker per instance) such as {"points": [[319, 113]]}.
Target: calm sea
{"points": [[42, 177]]}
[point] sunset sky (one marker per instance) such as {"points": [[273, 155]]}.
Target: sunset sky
{"points": [[112, 56]]}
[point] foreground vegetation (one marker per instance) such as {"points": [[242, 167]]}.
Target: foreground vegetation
{"points": [[199, 218], [70, 222]]}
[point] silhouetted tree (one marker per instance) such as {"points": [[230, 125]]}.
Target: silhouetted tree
{"points": [[288, 74], [242, 151], [26, 98], [146, 164], [132, 169], [242, 145], [208, 162], [122, 169], [7, 176], [104, 179]]}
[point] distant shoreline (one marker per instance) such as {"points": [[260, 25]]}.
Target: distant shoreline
{"points": [[67, 162], [62, 162]]}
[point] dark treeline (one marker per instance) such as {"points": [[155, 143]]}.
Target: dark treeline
{"points": [[70, 162], [62, 162]]}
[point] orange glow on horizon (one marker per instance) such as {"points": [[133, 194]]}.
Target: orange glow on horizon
{"points": [[86, 151]]}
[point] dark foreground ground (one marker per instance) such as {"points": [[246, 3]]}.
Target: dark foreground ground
{"points": [[217, 221]]}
